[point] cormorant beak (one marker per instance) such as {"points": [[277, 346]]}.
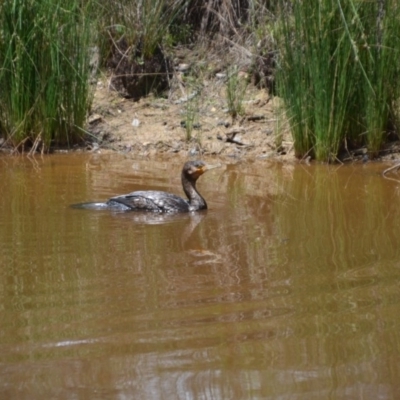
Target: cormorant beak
{"points": [[204, 168], [207, 167], [200, 171]]}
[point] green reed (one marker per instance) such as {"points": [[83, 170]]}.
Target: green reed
{"points": [[337, 73], [44, 70], [191, 116], [379, 54], [235, 91]]}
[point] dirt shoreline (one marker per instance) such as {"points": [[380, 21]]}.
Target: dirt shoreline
{"points": [[156, 126]]}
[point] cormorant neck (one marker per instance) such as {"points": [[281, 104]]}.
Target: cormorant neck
{"points": [[196, 201]]}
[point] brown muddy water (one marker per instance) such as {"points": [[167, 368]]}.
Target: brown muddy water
{"points": [[286, 288]]}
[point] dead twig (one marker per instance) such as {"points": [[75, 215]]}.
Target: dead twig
{"points": [[394, 167], [35, 145], [20, 144]]}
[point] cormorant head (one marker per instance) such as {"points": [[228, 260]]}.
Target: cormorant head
{"points": [[194, 169]]}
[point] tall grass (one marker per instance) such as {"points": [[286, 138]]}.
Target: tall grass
{"points": [[337, 73], [235, 91], [139, 21], [44, 70], [191, 115], [380, 40]]}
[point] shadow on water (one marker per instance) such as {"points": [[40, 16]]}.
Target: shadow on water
{"points": [[287, 287]]}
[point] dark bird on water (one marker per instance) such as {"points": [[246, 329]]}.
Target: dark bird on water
{"points": [[157, 201]]}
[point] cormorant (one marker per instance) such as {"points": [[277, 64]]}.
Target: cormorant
{"points": [[158, 201]]}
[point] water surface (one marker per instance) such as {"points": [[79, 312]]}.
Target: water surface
{"points": [[286, 288]]}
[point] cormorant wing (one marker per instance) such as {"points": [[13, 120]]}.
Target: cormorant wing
{"points": [[151, 200]]}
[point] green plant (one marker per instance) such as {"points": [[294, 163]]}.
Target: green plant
{"points": [[44, 70], [313, 69], [235, 90], [191, 114], [192, 110], [337, 72], [379, 55]]}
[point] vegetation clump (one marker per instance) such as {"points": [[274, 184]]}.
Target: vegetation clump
{"points": [[134, 33], [44, 71], [338, 73], [136, 74]]}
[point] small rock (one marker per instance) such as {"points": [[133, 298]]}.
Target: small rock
{"points": [[226, 124], [94, 118], [238, 139], [196, 125], [232, 132], [233, 136], [135, 122], [265, 156], [182, 67]]}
